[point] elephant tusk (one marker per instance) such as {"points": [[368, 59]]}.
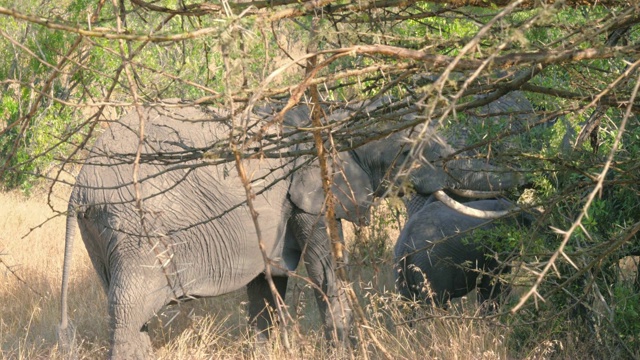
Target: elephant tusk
{"points": [[473, 194], [463, 209]]}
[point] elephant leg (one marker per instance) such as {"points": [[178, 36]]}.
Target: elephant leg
{"points": [[261, 299], [129, 334], [130, 308], [311, 233]]}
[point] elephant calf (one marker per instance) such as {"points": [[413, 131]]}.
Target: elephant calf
{"points": [[436, 256]]}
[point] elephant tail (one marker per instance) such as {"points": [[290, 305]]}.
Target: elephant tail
{"points": [[66, 331]]}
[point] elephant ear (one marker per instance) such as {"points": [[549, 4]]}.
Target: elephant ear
{"points": [[351, 187]]}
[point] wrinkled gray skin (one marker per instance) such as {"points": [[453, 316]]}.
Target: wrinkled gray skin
{"points": [[192, 234], [436, 256]]}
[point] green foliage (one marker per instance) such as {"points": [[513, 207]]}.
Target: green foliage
{"points": [[626, 319], [9, 113], [38, 147]]}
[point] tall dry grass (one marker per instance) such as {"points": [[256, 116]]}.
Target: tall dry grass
{"points": [[31, 248]]}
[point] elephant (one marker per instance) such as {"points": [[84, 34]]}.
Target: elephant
{"points": [[164, 217], [438, 259]]}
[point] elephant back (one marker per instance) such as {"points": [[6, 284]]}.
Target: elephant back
{"points": [[175, 200], [171, 136]]}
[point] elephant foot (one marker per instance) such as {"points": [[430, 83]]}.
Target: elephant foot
{"points": [[260, 349], [135, 347], [336, 335], [130, 339], [262, 304], [268, 343], [345, 340], [262, 336], [338, 326]]}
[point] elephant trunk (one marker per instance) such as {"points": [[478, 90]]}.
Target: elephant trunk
{"points": [[415, 203], [409, 280], [476, 174]]}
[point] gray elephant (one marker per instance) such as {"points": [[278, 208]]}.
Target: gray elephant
{"points": [[165, 218], [437, 257]]}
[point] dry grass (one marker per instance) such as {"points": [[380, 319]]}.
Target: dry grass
{"points": [[216, 328], [29, 297]]}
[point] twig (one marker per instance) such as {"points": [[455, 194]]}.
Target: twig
{"points": [[20, 279]]}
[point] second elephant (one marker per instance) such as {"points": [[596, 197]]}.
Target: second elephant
{"points": [[436, 256]]}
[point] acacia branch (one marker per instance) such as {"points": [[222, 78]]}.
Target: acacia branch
{"points": [[107, 33], [534, 3], [24, 121], [300, 9], [304, 8], [544, 57], [18, 277], [567, 235], [566, 94]]}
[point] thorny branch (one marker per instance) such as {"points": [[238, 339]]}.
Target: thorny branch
{"points": [[18, 277], [567, 234], [201, 9]]}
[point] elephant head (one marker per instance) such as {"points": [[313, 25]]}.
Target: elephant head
{"points": [[436, 171]]}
